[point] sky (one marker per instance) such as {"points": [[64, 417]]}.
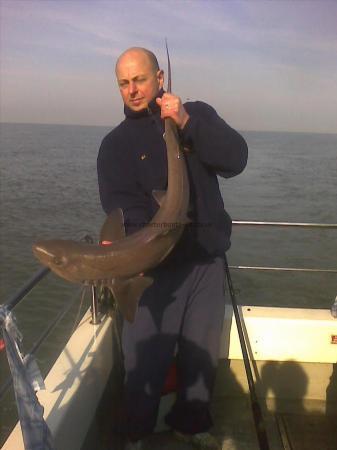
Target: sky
{"points": [[263, 65]]}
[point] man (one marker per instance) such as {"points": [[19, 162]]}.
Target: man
{"points": [[182, 312]]}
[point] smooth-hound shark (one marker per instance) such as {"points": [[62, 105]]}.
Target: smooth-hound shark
{"points": [[121, 265]]}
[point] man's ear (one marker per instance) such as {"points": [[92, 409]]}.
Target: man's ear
{"points": [[160, 78]]}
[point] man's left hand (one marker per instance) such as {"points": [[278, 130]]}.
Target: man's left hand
{"points": [[171, 106]]}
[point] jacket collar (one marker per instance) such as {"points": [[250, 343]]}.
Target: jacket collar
{"points": [[152, 108]]}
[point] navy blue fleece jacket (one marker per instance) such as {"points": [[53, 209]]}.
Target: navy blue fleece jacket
{"points": [[132, 162]]}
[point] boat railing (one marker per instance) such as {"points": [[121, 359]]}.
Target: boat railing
{"points": [[18, 296], [250, 223], [248, 359], [285, 224], [95, 313]]}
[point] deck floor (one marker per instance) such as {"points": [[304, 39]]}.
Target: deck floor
{"points": [[290, 425], [234, 429], [309, 432]]}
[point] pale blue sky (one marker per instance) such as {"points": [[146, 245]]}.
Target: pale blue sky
{"points": [[264, 65]]}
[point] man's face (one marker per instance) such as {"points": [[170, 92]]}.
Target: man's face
{"points": [[138, 81]]}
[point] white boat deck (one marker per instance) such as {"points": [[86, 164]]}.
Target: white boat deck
{"points": [[298, 394]]}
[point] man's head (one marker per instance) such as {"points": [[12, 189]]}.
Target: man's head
{"points": [[139, 77]]}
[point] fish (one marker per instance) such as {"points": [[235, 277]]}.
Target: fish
{"points": [[122, 266]]}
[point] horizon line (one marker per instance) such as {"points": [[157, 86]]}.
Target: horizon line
{"points": [[113, 126]]}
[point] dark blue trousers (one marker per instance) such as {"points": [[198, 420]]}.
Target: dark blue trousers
{"points": [[181, 313]]}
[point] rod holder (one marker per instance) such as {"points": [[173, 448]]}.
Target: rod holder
{"points": [[95, 316]]}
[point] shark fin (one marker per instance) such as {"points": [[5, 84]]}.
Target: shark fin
{"points": [[113, 227], [159, 196], [127, 294]]}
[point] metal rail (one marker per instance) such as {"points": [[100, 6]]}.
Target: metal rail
{"points": [[15, 299], [244, 340], [5, 386], [284, 269], [95, 316], [27, 287], [285, 224], [43, 272]]}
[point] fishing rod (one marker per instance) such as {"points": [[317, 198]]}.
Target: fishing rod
{"points": [[256, 409], [169, 76]]}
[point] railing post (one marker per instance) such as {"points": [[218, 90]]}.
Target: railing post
{"points": [[95, 319]]}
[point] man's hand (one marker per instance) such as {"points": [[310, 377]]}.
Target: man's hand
{"points": [[171, 106]]}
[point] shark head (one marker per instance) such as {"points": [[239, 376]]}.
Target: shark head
{"points": [[61, 256]]}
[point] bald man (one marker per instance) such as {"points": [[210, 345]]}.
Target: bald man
{"points": [[182, 313]]}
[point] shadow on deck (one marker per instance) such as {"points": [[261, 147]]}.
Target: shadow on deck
{"points": [[292, 422]]}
